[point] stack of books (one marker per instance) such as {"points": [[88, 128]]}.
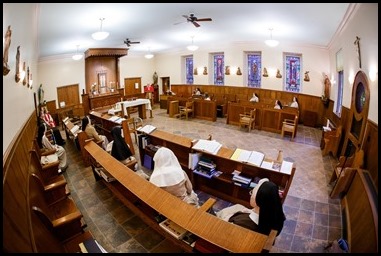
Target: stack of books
{"points": [[241, 181]]}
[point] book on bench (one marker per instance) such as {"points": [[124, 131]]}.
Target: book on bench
{"points": [[147, 129]]}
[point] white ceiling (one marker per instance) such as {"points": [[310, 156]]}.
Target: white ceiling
{"points": [[63, 26]]}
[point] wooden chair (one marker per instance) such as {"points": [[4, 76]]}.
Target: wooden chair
{"points": [[133, 124], [355, 161], [187, 109], [248, 119], [62, 217], [290, 125]]}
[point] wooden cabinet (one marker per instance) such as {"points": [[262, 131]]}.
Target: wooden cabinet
{"points": [[223, 185], [102, 68]]}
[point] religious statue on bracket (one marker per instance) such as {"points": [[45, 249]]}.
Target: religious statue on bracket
{"points": [[306, 76], [265, 74], [357, 44], [278, 74], [7, 43], [155, 78]]}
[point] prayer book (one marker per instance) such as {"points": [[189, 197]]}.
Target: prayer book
{"points": [[286, 167], [210, 146], [246, 156], [91, 246], [147, 129]]}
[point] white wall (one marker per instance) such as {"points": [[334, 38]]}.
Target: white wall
{"points": [[18, 100], [364, 24]]}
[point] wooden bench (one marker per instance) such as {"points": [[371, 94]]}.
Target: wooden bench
{"points": [[144, 199]]}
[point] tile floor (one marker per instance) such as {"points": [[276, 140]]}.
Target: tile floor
{"points": [[313, 219]]}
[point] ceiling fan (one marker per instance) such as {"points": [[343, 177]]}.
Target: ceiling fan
{"points": [[128, 42], [194, 19]]}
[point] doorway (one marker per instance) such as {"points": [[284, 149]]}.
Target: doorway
{"points": [[166, 84]]}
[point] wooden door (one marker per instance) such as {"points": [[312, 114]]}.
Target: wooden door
{"points": [[166, 84], [132, 85], [68, 94]]}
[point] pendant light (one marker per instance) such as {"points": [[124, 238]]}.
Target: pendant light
{"points": [[271, 42], [100, 35], [192, 47], [78, 55]]}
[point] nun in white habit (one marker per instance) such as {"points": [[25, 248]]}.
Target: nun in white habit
{"points": [[169, 175]]}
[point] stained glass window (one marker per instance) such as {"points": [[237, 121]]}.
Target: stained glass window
{"points": [[254, 64], [189, 69], [218, 60], [292, 76]]}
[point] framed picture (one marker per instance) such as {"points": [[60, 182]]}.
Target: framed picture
{"points": [[102, 79]]}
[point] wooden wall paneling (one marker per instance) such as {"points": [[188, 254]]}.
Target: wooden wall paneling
{"points": [[16, 214]]}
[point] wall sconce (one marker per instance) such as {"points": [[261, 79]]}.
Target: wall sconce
{"points": [[278, 74], [22, 74], [265, 74], [306, 76], [195, 72], [205, 71], [227, 70], [238, 73]]}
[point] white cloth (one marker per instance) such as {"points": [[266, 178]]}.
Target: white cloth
{"points": [[254, 99], [294, 104], [167, 171], [255, 191]]}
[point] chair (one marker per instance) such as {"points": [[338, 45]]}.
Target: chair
{"points": [[290, 125], [133, 124], [248, 119], [187, 109], [355, 161]]}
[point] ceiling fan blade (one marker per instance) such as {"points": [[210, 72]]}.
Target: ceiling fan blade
{"points": [[195, 24], [134, 42], [204, 19], [185, 16], [177, 23]]}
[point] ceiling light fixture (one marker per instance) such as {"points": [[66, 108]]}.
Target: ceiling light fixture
{"points": [[271, 42], [100, 35], [149, 55], [78, 55], [192, 47]]}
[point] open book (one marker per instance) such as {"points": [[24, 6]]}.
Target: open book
{"points": [[147, 129], [75, 129], [246, 156], [210, 146]]}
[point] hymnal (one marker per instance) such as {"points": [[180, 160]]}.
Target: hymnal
{"points": [[210, 146], [286, 167], [147, 129], [91, 246], [251, 157]]}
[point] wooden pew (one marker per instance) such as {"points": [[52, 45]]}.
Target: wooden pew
{"points": [[144, 198]]}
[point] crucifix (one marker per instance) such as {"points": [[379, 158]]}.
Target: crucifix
{"points": [[357, 44]]}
